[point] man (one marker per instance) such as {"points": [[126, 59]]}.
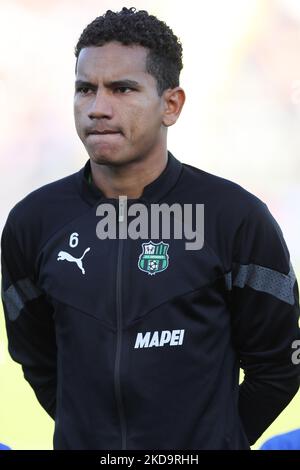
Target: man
{"points": [[136, 342]]}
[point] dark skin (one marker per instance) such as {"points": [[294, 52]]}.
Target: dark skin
{"points": [[118, 100]]}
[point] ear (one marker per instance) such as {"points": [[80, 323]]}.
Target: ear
{"points": [[174, 99]]}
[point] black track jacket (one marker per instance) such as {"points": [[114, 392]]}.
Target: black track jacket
{"points": [[138, 343]]}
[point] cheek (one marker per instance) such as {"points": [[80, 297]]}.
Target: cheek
{"points": [[79, 106], [143, 121], [149, 126], [77, 117]]}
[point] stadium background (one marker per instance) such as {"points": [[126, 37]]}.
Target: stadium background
{"points": [[241, 121]]}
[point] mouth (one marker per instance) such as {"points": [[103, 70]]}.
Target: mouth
{"points": [[104, 138], [105, 132]]}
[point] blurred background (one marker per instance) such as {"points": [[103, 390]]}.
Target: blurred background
{"points": [[241, 121]]}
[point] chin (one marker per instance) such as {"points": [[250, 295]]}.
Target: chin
{"points": [[109, 160]]}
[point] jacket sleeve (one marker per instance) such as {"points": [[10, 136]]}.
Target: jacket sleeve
{"points": [[29, 322], [265, 314]]}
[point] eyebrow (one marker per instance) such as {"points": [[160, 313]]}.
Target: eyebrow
{"points": [[114, 84]]}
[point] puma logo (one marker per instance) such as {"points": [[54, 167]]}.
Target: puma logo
{"points": [[63, 255]]}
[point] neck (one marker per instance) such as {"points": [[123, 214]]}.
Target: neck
{"points": [[128, 179]]}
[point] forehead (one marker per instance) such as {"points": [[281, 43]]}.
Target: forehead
{"points": [[112, 61]]}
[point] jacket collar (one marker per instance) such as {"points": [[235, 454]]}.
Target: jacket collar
{"points": [[152, 192]]}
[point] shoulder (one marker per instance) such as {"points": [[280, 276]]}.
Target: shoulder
{"points": [[42, 202], [40, 214], [221, 195]]}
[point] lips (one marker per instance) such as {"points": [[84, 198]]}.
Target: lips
{"points": [[102, 132]]}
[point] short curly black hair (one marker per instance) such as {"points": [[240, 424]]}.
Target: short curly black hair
{"points": [[129, 26]]}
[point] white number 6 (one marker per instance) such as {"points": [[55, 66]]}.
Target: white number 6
{"points": [[73, 240]]}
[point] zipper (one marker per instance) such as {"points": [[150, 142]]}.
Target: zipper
{"points": [[119, 398]]}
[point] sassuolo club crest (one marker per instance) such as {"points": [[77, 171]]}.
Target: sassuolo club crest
{"points": [[154, 258]]}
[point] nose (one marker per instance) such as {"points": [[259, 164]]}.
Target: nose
{"points": [[101, 106]]}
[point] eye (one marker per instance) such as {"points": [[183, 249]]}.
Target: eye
{"points": [[123, 89], [83, 90]]}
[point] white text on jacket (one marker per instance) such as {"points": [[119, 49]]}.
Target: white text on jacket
{"points": [[172, 338]]}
